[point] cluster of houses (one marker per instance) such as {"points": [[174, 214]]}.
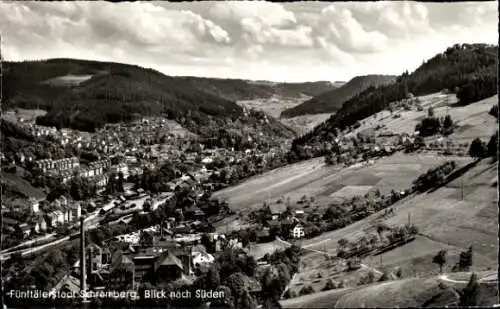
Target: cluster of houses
{"points": [[163, 261], [42, 218], [37, 130], [277, 217]]}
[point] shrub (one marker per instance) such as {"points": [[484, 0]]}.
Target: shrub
{"points": [[306, 290], [330, 285]]}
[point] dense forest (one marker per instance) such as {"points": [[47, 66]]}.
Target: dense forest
{"points": [[115, 92], [331, 101], [470, 70], [103, 92]]}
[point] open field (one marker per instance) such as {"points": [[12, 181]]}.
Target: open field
{"points": [[414, 292], [314, 178], [28, 115], [274, 105], [260, 249], [304, 123], [316, 270], [68, 80], [445, 221]]}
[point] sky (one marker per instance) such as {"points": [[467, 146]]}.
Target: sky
{"points": [[258, 40]]}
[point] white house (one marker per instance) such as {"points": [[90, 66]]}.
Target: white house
{"points": [[34, 205], [55, 218], [201, 258], [40, 225], [207, 160], [298, 231]]}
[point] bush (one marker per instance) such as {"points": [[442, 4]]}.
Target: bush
{"points": [[330, 285], [306, 290], [385, 277], [478, 149], [370, 278], [494, 111]]}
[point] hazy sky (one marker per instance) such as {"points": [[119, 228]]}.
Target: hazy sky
{"points": [[301, 41]]}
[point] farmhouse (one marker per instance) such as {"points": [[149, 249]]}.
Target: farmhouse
{"points": [[263, 236], [40, 225], [299, 213], [277, 210], [298, 231], [24, 229]]}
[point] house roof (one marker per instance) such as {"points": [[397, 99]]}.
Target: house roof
{"points": [[272, 223], [262, 233], [9, 221], [71, 284], [171, 260], [198, 248], [277, 208], [120, 260], [251, 284]]}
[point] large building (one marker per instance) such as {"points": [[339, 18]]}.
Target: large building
{"points": [[47, 165]]}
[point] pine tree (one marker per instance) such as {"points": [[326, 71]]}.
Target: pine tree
{"points": [[493, 145], [440, 259], [469, 296], [477, 149]]}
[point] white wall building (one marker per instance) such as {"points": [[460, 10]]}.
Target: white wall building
{"points": [[298, 231]]}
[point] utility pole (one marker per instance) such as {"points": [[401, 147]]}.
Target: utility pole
{"points": [[83, 262]]}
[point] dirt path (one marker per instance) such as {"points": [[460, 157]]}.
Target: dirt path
{"points": [[491, 279]]}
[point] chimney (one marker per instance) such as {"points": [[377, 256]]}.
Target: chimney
{"points": [[83, 261]]}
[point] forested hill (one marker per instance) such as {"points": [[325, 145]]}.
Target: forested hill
{"points": [[239, 89], [331, 101], [469, 70], [85, 95]]}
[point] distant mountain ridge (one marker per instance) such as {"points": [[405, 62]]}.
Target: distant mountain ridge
{"points": [[85, 94], [239, 89], [331, 101]]}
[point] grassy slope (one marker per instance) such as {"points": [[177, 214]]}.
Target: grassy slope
{"points": [[17, 184], [457, 66], [472, 120], [314, 178], [413, 292], [331, 101]]}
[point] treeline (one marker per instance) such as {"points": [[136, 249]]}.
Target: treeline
{"points": [[481, 87], [457, 69], [433, 177]]}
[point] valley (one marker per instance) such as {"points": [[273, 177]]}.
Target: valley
{"points": [[381, 191]]}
